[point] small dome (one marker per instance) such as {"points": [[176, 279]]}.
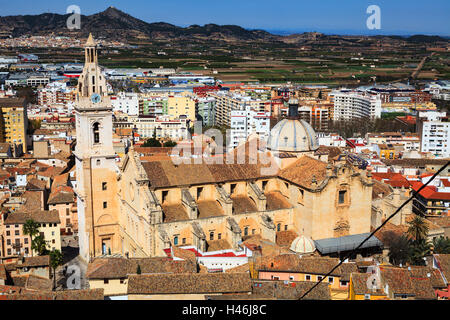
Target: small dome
{"points": [[303, 244], [291, 135]]}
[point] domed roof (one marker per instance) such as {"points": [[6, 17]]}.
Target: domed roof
{"points": [[291, 135], [303, 244]]}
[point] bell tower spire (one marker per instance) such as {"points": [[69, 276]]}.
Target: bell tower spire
{"points": [[91, 82], [95, 160]]}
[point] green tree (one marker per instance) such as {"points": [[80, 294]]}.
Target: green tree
{"points": [[419, 250], [417, 228], [138, 271], [56, 260], [152, 142], [31, 228], [39, 245], [399, 248], [170, 144], [441, 245]]}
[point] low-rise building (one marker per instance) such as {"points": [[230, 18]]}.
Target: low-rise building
{"points": [[17, 243]]}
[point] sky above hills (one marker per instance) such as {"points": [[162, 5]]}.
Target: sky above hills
{"points": [[400, 17]]}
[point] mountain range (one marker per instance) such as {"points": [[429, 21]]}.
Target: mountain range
{"points": [[118, 25]]}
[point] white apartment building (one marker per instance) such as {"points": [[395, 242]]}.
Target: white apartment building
{"points": [[226, 102], [350, 105], [56, 93], [165, 128], [434, 130], [331, 140], [126, 102], [247, 122]]}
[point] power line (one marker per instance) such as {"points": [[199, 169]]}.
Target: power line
{"points": [[376, 230]]}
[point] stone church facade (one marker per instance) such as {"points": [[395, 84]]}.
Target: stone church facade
{"points": [[145, 207]]}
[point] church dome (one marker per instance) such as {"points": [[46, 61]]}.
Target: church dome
{"points": [[290, 135], [303, 245]]}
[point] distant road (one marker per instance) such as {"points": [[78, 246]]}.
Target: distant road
{"points": [[420, 66]]}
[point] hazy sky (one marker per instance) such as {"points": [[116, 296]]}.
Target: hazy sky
{"points": [[329, 16]]}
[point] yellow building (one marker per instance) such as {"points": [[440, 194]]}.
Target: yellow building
{"points": [[14, 122], [179, 105], [387, 151], [359, 288]]}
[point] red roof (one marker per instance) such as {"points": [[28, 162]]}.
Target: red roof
{"points": [[396, 180], [429, 192], [445, 182]]}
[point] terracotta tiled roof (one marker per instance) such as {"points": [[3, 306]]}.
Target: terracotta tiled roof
{"points": [[117, 268], [294, 290], [37, 216], [60, 180], [311, 265], [434, 274], [163, 174], [243, 204], [62, 194], [360, 287], [396, 180], [33, 282], [239, 269], [304, 170], [174, 212], [285, 238], [209, 208], [51, 172], [196, 283], [380, 188], [405, 282], [277, 201], [4, 147], [430, 192], [30, 262], [216, 245], [36, 184], [443, 261], [330, 151], [183, 254], [93, 294], [33, 201], [415, 162]]}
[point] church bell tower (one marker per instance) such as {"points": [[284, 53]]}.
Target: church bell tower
{"points": [[96, 169]]}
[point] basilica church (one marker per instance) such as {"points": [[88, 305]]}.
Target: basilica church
{"points": [[145, 207]]}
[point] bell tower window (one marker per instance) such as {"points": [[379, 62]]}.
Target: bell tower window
{"points": [[96, 132]]}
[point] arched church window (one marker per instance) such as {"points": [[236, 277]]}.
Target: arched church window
{"points": [[96, 131]]}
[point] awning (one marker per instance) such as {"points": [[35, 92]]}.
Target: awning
{"points": [[347, 243]]}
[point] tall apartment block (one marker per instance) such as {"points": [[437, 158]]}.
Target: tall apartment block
{"points": [[14, 122], [434, 130]]}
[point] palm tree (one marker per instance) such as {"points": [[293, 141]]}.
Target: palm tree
{"points": [[399, 249], [56, 259], [419, 250], [39, 245], [418, 228], [31, 228], [441, 245]]}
